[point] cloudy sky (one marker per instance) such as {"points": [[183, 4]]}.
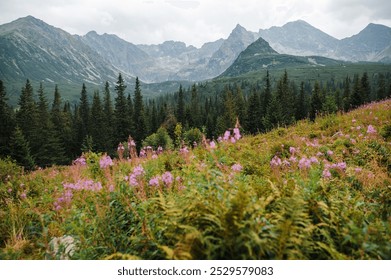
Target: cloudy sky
{"points": [[196, 21]]}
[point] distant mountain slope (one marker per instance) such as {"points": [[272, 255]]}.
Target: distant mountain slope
{"points": [[30, 48], [259, 55], [300, 38]]}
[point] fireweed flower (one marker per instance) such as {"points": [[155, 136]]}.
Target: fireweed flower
{"points": [[212, 144], [237, 135], [154, 181], [236, 167], [275, 162], [304, 163], [80, 161], [167, 178], [371, 129], [227, 135], [292, 150], [105, 161], [326, 174]]}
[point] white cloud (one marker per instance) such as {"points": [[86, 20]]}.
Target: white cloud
{"points": [[196, 22]]}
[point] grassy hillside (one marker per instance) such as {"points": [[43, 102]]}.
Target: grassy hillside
{"points": [[312, 191]]}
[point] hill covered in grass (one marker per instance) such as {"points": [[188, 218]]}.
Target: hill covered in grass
{"points": [[317, 190]]}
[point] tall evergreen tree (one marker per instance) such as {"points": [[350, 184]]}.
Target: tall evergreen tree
{"points": [[286, 99], [365, 89], [240, 106], [26, 116], [20, 149], [97, 123], [108, 122], [266, 95], [51, 150], [346, 98], [253, 122], [195, 117], [122, 125], [356, 98], [301, 104], [7, 122], [138, 116], [181, 106], [316, 102], [381, 87], [84, 109], [274, 113]]}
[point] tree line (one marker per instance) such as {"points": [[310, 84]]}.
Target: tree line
{"points": [[43, 134]]}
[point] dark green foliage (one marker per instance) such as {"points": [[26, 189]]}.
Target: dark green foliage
{"points": [[20, 149], [316, 102], [138, 116], [7, 121], [121, 113]]}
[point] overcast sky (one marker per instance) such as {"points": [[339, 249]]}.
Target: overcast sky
{"points": [[196, 21]]}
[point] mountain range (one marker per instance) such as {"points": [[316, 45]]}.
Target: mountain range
{"points": [[31, 48]]}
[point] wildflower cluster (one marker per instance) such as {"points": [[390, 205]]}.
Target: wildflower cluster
{"points": [[340, 166], [80, 161], [135, 177], [167, 180], [228, 137], [105, 162], [66, 197]]}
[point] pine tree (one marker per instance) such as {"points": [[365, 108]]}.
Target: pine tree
{"points": [[181, 106], [194, 120], [346, 99], [97, 123], [381, 87], [240, 106], [20, 149], [253, 123], [138, 116], [121, 130], [356, 98], [365, 89], [7, 122], [108, 122], [286, 98], [301, 104], [84, 109], [229, 109], [316, 102], [266, 95], [51, 149], [274, 113], [26, 116]]}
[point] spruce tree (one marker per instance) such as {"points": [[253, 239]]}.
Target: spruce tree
{"points": [[108, 122], [274, 113], [356, 98], [301, 104], [346, 98], [7, 122], [181, 106], [97, 123], [138, 116], [84, 109], [20, 149], [253, 122], [26, 116], [316, 102], [266, 94], [194, 108], [365, 89], [381, 87], [121, 116], [240, 106]]}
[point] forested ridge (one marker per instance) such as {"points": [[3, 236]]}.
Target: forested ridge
{"points": [[39, 134]]}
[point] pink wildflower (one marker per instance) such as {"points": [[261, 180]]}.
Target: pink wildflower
{"points": [[138, 170], [233, 140], [371, 129], [167, 179], [212, 144], [326, 174], [23, 195], [227, 135], [330, 153], [304, 163], [292, 150], [80, 161], [154, 181], [237, 135], [236, 167], [184, 150], [275, 162], [105, 162], [341, 165], [314, 160], [358, 170]]}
